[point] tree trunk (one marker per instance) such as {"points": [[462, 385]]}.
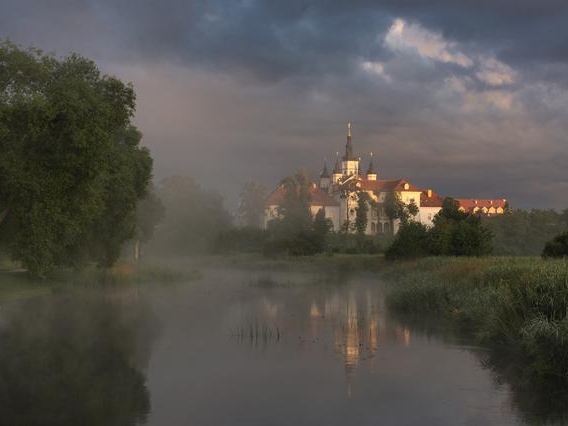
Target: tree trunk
{"points": [[136, 250]]}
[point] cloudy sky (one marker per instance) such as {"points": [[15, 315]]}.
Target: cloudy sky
{"points": [[467, 97]]}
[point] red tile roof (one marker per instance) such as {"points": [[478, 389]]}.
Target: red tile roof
{"points": [[434, 200], [469, 204], [387, 185], [318, 197]]}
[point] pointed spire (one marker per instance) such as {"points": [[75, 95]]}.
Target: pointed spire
{"points": [[337, 168], [371, 169], [349, 146], [324, 173]]}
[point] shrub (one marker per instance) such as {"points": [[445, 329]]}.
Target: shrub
{"points": [[557, 247], [410, 242]]}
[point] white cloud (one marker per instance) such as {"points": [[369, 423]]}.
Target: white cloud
{"points": [[494, 72], [412, 38], [405, 37], [376, 68]]}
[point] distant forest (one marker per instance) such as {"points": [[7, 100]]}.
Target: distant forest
{"points": [[525, 233]]}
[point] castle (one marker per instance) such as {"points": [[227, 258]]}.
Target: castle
{"points": [[337, 194]]}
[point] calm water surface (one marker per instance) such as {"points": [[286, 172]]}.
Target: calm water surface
{"points": [[238, 348]]}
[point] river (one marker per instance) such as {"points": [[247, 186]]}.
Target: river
{"points": [[240, 347]]}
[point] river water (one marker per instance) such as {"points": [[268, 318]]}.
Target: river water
{"points": [[240, 348]]}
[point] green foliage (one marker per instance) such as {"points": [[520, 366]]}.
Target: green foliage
{"points": [[251, 206], [410, 242], [321, 228], [68, 152], [469, 238], [557, 247], [126, 182], [395, 208], [295, 232], [361, 212], [194, 218], [519, 305], [454, 233], [150, 213], [242, 240], [295, 210], [525, 233]]}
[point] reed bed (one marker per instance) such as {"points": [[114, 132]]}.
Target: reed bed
{"points": [[514, 304]]}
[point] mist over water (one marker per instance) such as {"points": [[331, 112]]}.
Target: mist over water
{"points": [[242, 347]]}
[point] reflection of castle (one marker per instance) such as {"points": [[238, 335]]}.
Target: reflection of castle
{"points": [[358, 328], [355, 321], [337, 194]]}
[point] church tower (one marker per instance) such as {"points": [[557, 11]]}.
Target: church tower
{"points": [[336, 175], [371, 174], [325, 178], [350, 164]]}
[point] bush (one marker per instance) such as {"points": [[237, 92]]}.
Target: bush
{"points": [[410, 242], [557, 247]]}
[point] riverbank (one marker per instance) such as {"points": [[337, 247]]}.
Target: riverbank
{"points": [[320, 262], [516, 306], [15, 283]]}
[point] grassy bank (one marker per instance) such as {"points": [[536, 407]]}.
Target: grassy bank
{"points": [[15, 283], [518, 306], [320, 262]]}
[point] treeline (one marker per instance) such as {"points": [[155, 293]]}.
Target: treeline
{"points": [[196, 221], [455, 233], [525, 233]]}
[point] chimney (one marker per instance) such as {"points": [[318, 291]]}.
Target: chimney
{"points": [[429, 192]]}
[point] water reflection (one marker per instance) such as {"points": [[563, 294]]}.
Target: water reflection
{"points": [[539, 402], [75, 359], [355, 320]]}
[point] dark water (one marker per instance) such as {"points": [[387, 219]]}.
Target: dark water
{"points": [[241, 348]]}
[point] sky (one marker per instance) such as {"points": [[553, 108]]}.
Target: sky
{"points": [[467, 97]]}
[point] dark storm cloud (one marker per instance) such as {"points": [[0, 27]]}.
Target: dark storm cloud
{"points": [[467, 96], [274, 39]]}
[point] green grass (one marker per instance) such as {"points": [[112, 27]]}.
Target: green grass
{"points": [[516, 304], [330, 262], [16, 284], [127, 273]]}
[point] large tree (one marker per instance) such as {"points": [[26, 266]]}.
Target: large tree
{"points": [[71, 169], [251, 205], [294, 231], [395, 209]]}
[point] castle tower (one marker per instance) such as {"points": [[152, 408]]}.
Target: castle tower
{"points": [[371, 174], [336, 175], [325, 178], [350, 164]]}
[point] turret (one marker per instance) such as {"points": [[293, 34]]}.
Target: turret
{"points": [[325, 178], [336, 175], [371, 174]]}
